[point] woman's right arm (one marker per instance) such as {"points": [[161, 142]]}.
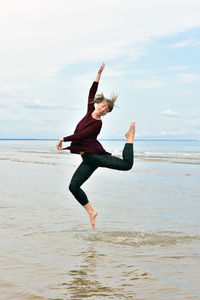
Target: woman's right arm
{"points": [[87, 132], [59, 144], [79, 136]]}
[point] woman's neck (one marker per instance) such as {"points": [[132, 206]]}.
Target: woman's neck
{"points": [[95, 116]]}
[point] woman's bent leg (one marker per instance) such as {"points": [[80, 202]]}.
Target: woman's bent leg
{"points": [[116, 163], [83, 172]]}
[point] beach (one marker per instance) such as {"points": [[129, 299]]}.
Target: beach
{"points": [[146, 244]]}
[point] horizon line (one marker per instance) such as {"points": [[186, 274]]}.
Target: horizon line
{"points": [[103, 139]]}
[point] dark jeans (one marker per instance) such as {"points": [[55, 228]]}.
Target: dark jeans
{"points": [[91, 162]]}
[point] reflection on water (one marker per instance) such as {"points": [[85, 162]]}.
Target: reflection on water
{"points": [[85, 283]]}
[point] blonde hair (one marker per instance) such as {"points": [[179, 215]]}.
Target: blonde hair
{"points": [[100, 98]]}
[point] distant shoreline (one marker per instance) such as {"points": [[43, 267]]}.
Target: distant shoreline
{"points": [[140, 140]]}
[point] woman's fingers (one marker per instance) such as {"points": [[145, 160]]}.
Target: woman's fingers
{"points": [[59, 145], [102, 67]]}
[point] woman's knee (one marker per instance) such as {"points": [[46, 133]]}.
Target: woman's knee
{"points": [[73, 187], [128, 166]]}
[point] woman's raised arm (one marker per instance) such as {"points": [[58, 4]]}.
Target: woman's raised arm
{"points": [[94, 88], [99, 72]]}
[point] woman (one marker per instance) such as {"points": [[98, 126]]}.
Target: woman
{"points": [[84, 142]]}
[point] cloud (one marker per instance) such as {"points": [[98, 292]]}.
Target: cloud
{"points": [[177, 68], [188, 77], [186, 118], [13, 118], [146, 83], [75, 107], [110, 50], [49, 72], [137, 72], [108, 29], [170, 113], [46, 119], [173, 132], [3, 105], [7, 87], [38, 104], [187, 92], [189, 43], [114, 73]]}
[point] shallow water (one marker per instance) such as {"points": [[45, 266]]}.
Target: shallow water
{"points": [[146, 244]]}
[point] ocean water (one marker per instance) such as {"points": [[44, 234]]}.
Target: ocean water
{"points": [[146, 244]]}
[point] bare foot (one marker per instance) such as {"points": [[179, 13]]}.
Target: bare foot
{"points": [[131, 131], [93, 215]]}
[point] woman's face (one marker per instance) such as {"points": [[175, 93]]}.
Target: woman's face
{"points": [[102, 108]]}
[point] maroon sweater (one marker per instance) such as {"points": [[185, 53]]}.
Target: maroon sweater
{"points": [[85, 135]]}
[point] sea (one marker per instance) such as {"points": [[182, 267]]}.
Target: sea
{"points": [[146, 242]]}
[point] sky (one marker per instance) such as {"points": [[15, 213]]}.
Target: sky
{"points": [[51, 51]]}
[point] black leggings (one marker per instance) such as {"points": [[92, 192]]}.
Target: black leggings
{"points": [[91, 162]]}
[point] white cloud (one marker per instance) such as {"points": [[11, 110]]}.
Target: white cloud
{"points": [[75, 107], [7, 87], [146, 83], [39, 104], [180, 44], [49, 72], [13, 118], [110, 50], [186, 92], [3, 105], [188, 77], [173, 132], [114, 73], [178, 68], [45, 119], [170, 113], [137, 72], [190, 43], [45, 35]]}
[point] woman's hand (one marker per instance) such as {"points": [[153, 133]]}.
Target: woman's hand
{"points": [[59, 144], [99, 72], [101, 68]]}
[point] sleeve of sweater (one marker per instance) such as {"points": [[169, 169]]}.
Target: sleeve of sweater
{"points": [[91, 95], [87, 132]]}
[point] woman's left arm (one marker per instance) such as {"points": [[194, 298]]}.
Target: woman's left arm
{"points": [[99, 72], [93, 89], [94, 86]]}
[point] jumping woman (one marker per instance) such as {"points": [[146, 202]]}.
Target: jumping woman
{"points": [[84, 142]]}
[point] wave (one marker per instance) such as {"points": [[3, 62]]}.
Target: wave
{"points": [[27, 161], [195, 155], [171, 157], [138, 239]]}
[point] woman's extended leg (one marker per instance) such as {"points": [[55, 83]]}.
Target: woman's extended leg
{"points": [[83, 172], [113, 162]]}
